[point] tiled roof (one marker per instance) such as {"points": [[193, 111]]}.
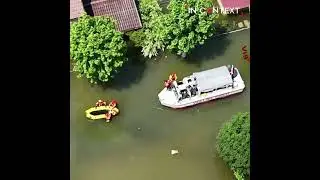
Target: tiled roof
{"points": [[76, 9], [124, 11], [234, 3]]}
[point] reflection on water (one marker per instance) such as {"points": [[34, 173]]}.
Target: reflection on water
{"points": [[137, 144]]}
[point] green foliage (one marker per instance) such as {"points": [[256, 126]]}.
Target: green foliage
{"points": [[189, 29], [137, 37], [153, 34], [179, 30], [97, 48], [233, 144], [238, 175]]}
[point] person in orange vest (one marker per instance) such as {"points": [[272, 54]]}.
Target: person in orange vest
{"points": [[108, 117], [100, 103], [174, 76], [166, 83], [113, 103]]}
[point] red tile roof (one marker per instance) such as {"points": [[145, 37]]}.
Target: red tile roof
{"points": [[76, 9], [124, 11], [234, 3]]}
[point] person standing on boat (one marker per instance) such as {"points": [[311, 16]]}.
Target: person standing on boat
{"points": [[173, 77], [166, 83], [232, 71]]}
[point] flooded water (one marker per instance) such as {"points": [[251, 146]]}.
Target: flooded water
{"points": [[137, 144]]}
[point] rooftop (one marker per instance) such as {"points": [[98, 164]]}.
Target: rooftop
{"points": [[76, 9], [213, 78], [234, 3], [124, 11]]}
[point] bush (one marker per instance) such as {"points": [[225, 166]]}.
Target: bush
{"points": [[233, 144], [97, 48]]}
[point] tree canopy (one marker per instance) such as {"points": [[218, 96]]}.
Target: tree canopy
{"points": [[233, 144], [97, 48], [152, 36], [189, 29], [179, 30]]}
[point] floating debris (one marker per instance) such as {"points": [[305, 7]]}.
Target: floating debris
{"points": [[184, 55], [139, 129], [173, 152], [160, 108]]}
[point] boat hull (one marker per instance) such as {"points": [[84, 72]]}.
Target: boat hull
{"points": [[201, 101]]}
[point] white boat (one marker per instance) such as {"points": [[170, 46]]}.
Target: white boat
{"points": [[202, 87]]}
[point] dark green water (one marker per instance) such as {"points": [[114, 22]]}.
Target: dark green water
{"points": [[118, 151]]}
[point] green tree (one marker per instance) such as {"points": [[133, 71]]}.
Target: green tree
{"points": [[188, 29], [233, 144], [152, 37], [97, 48]]}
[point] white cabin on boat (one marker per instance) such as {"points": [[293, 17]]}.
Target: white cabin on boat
{"points": [[213, 79], [213, 83]]}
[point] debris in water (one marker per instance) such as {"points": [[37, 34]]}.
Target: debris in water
{"points": [[184, 55], [165, 56], [173, 152], [160, 108], [139, 129]]}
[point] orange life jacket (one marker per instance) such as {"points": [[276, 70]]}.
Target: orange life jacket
{"points": [[174, 76], [166, 84], [113, 103], [108, 116]]}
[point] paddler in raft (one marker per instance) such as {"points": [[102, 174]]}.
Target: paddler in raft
{"points": [[101, 103], [108, 116], [113, 103]]}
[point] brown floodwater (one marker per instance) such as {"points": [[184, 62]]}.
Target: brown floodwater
{"points": [[137, 144]]}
